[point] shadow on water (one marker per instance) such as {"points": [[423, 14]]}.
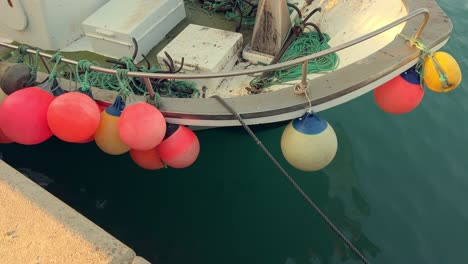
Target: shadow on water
{"points": [[231, 206]]}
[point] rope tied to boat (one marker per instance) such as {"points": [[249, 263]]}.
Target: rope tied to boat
{"points": [[169, 88], [427, 53], [60, 73], [57, 57], [33, 62], [291, 180], [83, 65], [122, 77]]}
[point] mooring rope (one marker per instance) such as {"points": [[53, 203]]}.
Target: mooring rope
{"points": [[291, 180]]}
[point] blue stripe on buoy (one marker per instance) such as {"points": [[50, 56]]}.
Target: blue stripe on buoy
{"points": [[309, 124], [411, 76]]}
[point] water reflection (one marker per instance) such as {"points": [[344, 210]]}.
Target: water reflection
{"points": [[346, 206]]}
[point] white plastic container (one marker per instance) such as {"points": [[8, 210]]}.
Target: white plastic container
{"points": [[46, 24], [111, 28], [205, 50]]}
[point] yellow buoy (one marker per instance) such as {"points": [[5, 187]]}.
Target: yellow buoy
{"points": [[107, 135], [309, 143], [441, 72]]}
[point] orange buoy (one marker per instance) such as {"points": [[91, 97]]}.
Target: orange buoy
{"points": [[4, 139], [73, 117], [141, 126], [23, 116], [107, 135], [180, 147], [401, 94], [147, 159]]}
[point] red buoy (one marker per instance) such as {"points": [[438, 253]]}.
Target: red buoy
{"points": [[88, 140], [23, 116], [73, 117], [91, 138], [141, 126], [401, 94], [4, 139], [180, 148], [147, 159]]}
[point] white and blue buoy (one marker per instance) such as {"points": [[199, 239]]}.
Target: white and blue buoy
{"points": [[309, 143]]}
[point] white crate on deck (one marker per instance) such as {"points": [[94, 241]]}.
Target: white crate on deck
{"points": [[111, 28], [205, 50]]}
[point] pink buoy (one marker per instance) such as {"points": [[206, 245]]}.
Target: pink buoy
{"points": [[180, 148], [401, 94], [23, 116], [73, 117], [4, 139], [91, 138], [88, 140], [141, 126], [147, 159]]}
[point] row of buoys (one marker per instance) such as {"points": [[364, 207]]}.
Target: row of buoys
{"points": [[402, 94], [32, 115], [309, 143]]}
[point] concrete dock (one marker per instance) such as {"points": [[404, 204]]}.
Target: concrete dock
{"points": [[38, 228]]}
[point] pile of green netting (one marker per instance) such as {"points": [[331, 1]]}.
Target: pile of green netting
{"points": [[230, 8], [82, 75], [305, 44], [163, 87]]}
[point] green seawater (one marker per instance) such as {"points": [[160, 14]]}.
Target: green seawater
{"points": [[398, 188]]}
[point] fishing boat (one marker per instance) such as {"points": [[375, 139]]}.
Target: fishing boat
{"points": [[201, 47], [212, 63]]}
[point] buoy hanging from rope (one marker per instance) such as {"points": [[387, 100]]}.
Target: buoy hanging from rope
{"points": [[107, 135], [309, 143], [141, 126], [441, 72], [73, 117], [23, 116], [401, 94], [147, 159], [180, 147]]}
